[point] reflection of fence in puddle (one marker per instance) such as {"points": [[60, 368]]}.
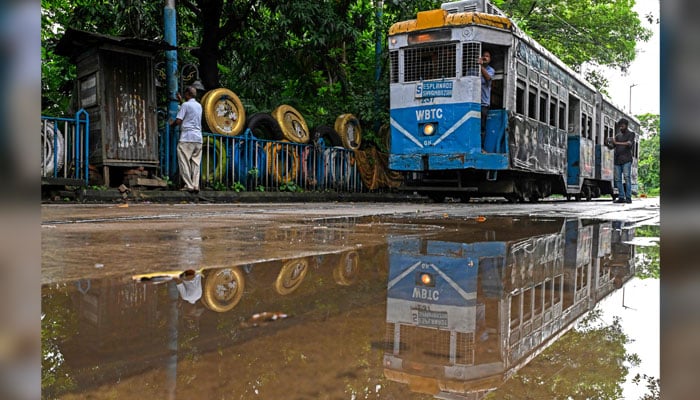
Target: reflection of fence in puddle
{"points": [[489, 307]]}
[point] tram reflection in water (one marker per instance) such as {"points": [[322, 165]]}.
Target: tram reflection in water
{"points": [[464, 317]]}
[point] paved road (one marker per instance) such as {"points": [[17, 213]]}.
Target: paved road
{"points": [[80, 241]]}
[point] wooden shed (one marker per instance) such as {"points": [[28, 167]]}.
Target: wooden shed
{"points": [[116, 85]]}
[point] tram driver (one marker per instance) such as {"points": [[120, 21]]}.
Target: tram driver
{"points": [[487, 73]]}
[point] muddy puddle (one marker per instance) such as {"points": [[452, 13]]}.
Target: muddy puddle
{"points": [[383, 308]]}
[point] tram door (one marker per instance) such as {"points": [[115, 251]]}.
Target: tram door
{"points": [[497, 120]]}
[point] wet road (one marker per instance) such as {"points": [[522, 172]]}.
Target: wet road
{"points": [[345, 301]]}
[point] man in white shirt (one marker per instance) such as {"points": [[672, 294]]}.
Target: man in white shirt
{"points": [[189, 285], [189, 148]]}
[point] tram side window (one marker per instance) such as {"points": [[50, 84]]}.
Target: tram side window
{"points": [[562, 115], [574, 111], [553, 111], [532, 102], [543, 107], [589, 125], [520, 97], [584, 128]]}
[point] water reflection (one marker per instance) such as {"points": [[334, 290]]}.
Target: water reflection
{"points": [[462, 317], [449, 312]]}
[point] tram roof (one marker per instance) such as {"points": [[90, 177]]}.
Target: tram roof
{"points": [[439, 18]]}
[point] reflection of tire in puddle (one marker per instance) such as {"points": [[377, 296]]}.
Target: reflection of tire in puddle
{"points": [[223, 289], [291, 275], [348, 269]]}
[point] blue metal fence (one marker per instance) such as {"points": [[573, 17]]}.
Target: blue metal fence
{"points": [[245, 162], [242, 163], [65, 144]]}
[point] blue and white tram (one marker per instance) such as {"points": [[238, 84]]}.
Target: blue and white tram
{"points": [[546, 129]]}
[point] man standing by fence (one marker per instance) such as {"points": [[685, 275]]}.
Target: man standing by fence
{"points": [[189, 147]]}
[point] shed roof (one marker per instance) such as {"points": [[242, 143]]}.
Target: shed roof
{"points": [[75, 42]]}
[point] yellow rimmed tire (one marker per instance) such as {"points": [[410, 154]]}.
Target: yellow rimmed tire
{"points": [[291, 275], [213, 164], [223, 288], [292, 123], [282, 162], [223, 112], [348, 269], [348, 128]]}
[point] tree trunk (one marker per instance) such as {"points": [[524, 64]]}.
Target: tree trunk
{"points": [[208, 52]]}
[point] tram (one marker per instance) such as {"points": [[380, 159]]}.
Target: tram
{"points": [[545, 132]]}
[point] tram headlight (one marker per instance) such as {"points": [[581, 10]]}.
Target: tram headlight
{"points": [[429, 129], [425, 279]]}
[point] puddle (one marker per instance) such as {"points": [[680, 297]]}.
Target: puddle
{"points": [[422, 308]]}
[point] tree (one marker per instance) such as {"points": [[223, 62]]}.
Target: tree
{"points": [[649, 167], [582, 31], [318, 56], [589, 362]]}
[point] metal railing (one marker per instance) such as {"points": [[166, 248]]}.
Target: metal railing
{"points": [[65, 144], [246, 163]]}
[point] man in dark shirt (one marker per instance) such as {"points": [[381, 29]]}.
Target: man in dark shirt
{"points": [[624, 145]]}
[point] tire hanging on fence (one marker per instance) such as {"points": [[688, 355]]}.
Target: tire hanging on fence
{"points": [[348, 269], [348, 128], [213, 163], [52, 145], [223, 288], [292, 123], [264, 126], [384, 135], [326, 135], [223, 112], [291, 275], [282, 162]]}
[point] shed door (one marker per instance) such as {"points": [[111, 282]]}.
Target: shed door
{"points": [[131, 125]]}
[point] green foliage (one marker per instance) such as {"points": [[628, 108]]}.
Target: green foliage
{"points": [[589, 362], [319, 57], [290, 187], [648, 258], [56, 327], [238, 187], [649, 167], [652, 384], [219, 186], [582, 31]]}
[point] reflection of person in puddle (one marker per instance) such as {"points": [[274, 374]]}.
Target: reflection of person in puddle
{"points": [[189, 285]]}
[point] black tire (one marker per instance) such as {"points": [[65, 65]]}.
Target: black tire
{"points": [[264, 126], [326, 135]]}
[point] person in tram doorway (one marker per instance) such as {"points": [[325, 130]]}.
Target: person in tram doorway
{"points": [[189, 147], [624, 144], [487, 73]]}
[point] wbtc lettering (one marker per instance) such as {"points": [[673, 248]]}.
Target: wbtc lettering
{"points": [[429, 114], [426, 294]]}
